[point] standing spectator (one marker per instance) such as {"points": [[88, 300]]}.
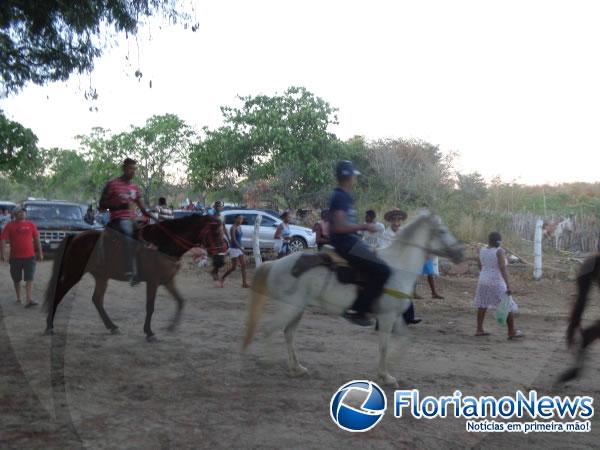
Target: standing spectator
{"points": [[219, 251], [321, 229], [22, 235], [430, 274], [396, 218], [90, 216], [283, 236], [373, 238], [162, 211], [493, 284], [236, 250]]}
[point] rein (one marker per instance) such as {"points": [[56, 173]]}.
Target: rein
{"points": [[182, 242]]}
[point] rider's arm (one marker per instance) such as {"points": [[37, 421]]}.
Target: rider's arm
{"points": [[139, 202], [340, 225]]}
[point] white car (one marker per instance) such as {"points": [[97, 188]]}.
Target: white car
{"points": [[302, 237]]}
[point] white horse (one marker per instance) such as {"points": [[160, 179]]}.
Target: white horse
{"points": [[406, 256]]}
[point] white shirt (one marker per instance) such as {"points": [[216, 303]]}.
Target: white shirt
{"points": [[374, 239]]}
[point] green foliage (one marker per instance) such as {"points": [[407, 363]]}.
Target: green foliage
{"points": [[18, 149], [281, 139], [47, 40]]}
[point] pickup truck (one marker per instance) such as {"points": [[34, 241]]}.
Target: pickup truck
{"points": [[55, 219]]}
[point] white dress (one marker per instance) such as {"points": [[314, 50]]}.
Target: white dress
{"points": [[491, 287]]}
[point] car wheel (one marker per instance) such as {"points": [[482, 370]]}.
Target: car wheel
{"points": [[297, 244]]}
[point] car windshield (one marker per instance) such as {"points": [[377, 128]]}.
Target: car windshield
{"points": [[54, 212]]}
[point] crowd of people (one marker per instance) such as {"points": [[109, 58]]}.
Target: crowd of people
{"points": [[121, 204]]}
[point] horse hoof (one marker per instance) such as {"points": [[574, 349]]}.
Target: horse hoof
{"points": [[48, 332], [114, 331], [299, 371], [569, 375], [151, 338], [388, 380]]}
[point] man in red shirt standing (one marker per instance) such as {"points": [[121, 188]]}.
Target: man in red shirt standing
{"points": [[21, 235], [120, 196]]}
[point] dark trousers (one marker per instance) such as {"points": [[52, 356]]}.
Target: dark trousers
{"points": [[373, 270], [409, 314]]}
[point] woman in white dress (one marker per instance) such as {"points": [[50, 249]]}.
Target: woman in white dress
{"points": [[493, 285]]}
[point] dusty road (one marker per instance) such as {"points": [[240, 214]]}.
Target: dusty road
{"points": [[195, 389]]}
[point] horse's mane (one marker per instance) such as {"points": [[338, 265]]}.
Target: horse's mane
{"points": [[406, 231], [182, 223]]}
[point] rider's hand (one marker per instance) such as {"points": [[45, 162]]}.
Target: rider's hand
{"points": [[370, 227]]}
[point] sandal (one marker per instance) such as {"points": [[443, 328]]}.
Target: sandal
{"points": [[437, 297], [518, 334], [30, 304], [485, 333]]}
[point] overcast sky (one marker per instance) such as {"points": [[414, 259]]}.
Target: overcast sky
{"points": [[513, 86]]}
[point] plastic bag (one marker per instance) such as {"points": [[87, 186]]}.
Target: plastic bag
{"points": [[504, 308]]}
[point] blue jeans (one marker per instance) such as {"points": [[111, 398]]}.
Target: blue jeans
{"points": [[125, 226]]}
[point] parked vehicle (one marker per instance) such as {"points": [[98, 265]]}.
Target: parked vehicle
{"points": [[302, 237], [55, 219], [179, 213], [7, 206]]}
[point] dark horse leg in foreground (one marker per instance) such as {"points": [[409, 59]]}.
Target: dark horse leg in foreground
{"points": [[590, 272], [77, 256]]}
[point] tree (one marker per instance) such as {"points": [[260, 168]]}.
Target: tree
{"points": [[47, 40], [472, 186], [416, 172], [281, 139], [161, 148], [18, 148]]}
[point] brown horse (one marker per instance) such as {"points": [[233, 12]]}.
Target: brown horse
{"points": [[590, 272], [159, 250]]}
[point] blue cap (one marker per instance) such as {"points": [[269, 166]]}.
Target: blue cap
{"points": [[345, 169]]}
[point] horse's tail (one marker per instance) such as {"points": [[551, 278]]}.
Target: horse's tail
{"points": [[590, 271], [257, 302]]}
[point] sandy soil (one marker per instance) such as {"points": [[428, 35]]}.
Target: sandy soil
{"points": [[195, 389]]}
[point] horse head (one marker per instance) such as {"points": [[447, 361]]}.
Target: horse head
{"points": [[438, 240]]}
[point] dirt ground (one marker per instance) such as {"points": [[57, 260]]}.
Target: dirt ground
{"points": [[86, 388]]}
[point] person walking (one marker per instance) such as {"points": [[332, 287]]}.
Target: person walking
{"points": [[321, 229], [23, 237], [283, 235], [219, 250], [493, 285], [396, 218], [236, 251]]}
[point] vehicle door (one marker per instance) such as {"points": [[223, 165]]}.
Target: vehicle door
{"points": [[268, 226]]}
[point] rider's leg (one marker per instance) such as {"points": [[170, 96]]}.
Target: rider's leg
{"points": [[126, 227], [375, 271]]}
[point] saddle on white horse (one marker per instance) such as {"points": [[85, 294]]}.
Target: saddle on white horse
{"points": [[330, 259]]}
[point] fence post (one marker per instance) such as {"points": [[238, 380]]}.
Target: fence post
{"points": [[537, 250], [256, 241]]}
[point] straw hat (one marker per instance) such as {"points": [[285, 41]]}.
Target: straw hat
{"points": [[393, 214]]}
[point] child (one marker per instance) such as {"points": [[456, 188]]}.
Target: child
{"points": [[236, 250]]}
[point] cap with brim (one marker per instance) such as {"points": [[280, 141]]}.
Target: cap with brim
{"points": [[345, 169], [394, 214]]}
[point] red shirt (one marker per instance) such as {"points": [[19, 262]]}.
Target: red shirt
{"points": [[119, 195], [20, 234]]}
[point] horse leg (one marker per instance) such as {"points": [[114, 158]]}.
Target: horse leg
{"points": [[295, 368], [589, 335], [172, 289], [386, 324], [150, 298], [98, 299]]}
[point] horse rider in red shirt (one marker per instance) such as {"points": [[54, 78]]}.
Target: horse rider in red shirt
{"points": [[120, 196]]}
